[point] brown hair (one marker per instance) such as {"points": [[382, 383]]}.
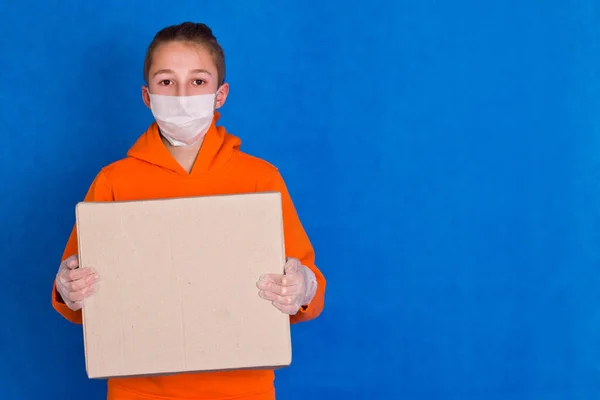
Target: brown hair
{"points": [[197, 33]]}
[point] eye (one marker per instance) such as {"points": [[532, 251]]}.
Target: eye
{"points": [[165, 82], [199, 82]]}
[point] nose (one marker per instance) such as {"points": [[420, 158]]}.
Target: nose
{"points": [[182, 90]]}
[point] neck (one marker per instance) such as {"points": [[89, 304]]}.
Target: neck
{"points": [[185, 155]]}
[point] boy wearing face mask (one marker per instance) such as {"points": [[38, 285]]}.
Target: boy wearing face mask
{"points": [[184, 154]]}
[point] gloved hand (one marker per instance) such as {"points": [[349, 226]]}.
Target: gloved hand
{"points": [[290, 291], [74, 284]]}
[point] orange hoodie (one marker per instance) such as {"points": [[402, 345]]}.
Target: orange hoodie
{"points": [[150, 172]]}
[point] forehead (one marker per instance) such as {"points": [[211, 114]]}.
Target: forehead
{"points": [[182, 55]]}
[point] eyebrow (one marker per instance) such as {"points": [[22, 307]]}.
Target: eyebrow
{"points": [[170, 71]]}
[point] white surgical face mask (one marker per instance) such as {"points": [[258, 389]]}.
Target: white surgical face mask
{"points": [[183, 120]]}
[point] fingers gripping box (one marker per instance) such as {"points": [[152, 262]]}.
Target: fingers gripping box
{"points": [[177, 288]]}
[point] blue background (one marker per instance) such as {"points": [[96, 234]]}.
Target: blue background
{"points": [[443, 157]]}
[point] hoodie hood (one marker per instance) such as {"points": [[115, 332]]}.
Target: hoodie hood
{"points": [[217, 148]]}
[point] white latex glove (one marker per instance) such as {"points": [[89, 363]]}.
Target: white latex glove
{"points": [[74, 284], [290, 291]]}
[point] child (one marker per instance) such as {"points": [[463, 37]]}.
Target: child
{"points": [[182, 154]]}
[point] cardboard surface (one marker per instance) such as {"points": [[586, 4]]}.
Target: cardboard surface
{"points": [[177, 289]]}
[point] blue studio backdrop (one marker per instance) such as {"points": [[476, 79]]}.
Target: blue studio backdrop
{"points": [[443, 157]]}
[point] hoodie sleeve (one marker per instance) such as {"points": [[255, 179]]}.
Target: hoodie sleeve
{"points": [[100, 190], [297, 245]]}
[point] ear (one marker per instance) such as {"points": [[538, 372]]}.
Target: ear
{"points": [[221, 95], [146, 96]]}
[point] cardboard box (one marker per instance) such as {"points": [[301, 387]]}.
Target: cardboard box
{"points": [[177, 289]]}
